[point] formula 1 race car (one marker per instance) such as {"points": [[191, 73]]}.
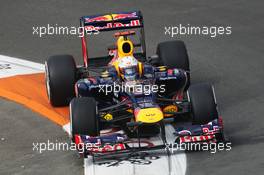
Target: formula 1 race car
{"points": [[127, 95]]}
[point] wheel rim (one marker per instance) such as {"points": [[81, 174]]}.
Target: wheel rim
{"points": [[47, 80], [70, 110]]}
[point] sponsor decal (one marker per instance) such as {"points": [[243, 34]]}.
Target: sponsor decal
{"points": [[206, 130], [170, 108], [124, 15], [99, 19], [108, 117], [186, 139], [110, 25], [111, 17]]}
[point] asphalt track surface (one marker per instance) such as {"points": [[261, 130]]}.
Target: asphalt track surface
{"points": [[233, 63]]}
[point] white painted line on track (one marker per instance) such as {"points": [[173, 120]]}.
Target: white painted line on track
{"points": [[10, 66]]}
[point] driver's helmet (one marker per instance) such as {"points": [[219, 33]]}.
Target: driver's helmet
{"points": [[129, 73], [128, 68]]}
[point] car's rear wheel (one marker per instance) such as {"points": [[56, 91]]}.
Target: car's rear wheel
{"points": [[60, 73], [203, 103], [173, 54], [84, 117]]}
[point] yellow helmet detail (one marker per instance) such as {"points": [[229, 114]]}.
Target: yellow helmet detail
{"points": [[124, 46]]}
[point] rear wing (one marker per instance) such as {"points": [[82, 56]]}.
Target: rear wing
{"points": [[110, 22], [113, 21]]}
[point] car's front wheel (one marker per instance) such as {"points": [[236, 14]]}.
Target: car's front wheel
{"points": [[83, 117], [203, 103], [60, 76]]}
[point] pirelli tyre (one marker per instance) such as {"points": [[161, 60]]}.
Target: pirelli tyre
{"points": [[83, 117], [60, 74], [203, 103], [173, 54]]}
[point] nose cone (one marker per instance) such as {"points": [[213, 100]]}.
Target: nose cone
{"points": [[148, 115]]}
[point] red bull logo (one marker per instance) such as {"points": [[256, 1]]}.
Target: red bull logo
{"points": [[110, 17], [99, 18], [124, 15], [111, 25]]}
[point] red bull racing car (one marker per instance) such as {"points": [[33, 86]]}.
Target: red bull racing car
{"points": [[126, 95]]}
